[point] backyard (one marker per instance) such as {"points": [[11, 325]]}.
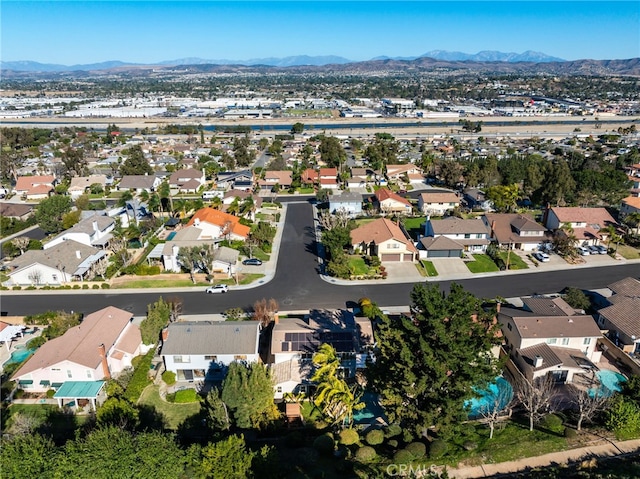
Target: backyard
{"points": [[173, 413]]}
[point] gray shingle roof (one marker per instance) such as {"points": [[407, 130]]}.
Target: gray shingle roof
{"points": [[69, 254], [454, 225], [204, 337]]}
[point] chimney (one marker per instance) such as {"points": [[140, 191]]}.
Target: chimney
{"points": [[498, 306], [537, 361], [276, 317], [103, 359], [95, 225], [78, 255], [165, 334], [493, 226], [545, 215]]}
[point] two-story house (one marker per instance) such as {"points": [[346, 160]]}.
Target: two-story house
{"points": [[186, 180], [515, 231], [349, 202], [93, 231], [328, 178], [295, 340], [35, 187], [547, 336], [199, 350], [450, 237], [384, 239], [621, 316], [389, 202], [588, 224], [282, 178]]}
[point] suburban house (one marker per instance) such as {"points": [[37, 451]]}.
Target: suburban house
{"points": [[93, 231], [65, 262], [515, 231], [408, 171], [295, 340], [328, 178], [438, 203], [350, 202], [199, 350], [101, 347], [225, 259], [79, 184], [450, 237], [550, 337], [358, 179], [310, 177], [622, 315], [588, 223], [390, 203], [35, 187], [240, 180], [272, 178], [384, 239], [186, 180], [476, 199], [216, 224], [139, 183], [629, 205], [18, 211]]}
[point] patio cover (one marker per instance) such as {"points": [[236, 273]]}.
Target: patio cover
{"points": [[79, 390]]}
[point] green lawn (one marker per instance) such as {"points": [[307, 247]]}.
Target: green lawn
{"points": [[427, 268], [174, 414], [358, 266], [628, 252], [50, 420], [157, 283], [306, 191], [515, 261], [482, 264], [261, 255], [363, 221]]}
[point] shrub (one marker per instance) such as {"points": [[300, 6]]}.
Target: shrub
{"points": [[95, 286], [392, 430], [19, 394], [16, 288], [140, 378], [36, 342], [50, 393], [366, 454], [375, 437], [417, 449], [402, 456], [85, 286], [169, 377], [294, 440], [170, 397], [438, 448], [570, 433], [552, 422], [105, 286], [324, 444], [186, 396], [349, 437], [469, 445], [76, 286]]}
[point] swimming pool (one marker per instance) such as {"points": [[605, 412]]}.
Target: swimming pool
{"points": [[372, 409], [19, 355], [497, 395], [610, 382]]}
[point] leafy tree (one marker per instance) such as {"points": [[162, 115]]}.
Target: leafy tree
{"points": [[28, 456], [117, 412], [558, 184], [331, 151], [336, 240], [576, 298], [263, 233], [427, 365], [504, 198], [71, 218], [215, 412], [228, 458], [135, 163], [247, 391], [297, 128], [158, 315], [74, 162], [243, 157], [50, 211], [21, 243]]}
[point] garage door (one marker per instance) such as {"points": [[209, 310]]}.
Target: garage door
{"points": [[440, 254], [390, 257], [408, 257]]}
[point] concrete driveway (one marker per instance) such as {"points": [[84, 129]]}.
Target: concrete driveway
{"points": [[450, 266], [402, 272]]}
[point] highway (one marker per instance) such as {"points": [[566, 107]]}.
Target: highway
{"points": [[297, 284]]}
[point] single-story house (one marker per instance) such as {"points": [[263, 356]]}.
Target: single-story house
{"points": [[272, 178], [79, 184], [18, 211], [389, 202], [199, 350], [216, 224], [139, 183], [35, 187]]}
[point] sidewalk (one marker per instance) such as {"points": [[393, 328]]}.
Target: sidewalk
{"points": [[608, 449]]}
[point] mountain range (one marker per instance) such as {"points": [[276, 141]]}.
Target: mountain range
{"points": [[300, 60]]}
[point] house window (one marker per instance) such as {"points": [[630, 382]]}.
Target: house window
{"points": [[69, 373], [393, 246], [54, 277], [565, 341], [587, 341], [509, 327], [479, 236], [89, 376], [467, 235], [240, 357], [279, 389], [181, 359], [211, 358], [552, 340]]}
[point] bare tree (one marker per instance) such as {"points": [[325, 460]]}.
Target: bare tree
{"points": [[587, 406], [22, 243], [329, 221], [99, 268], [175, 308], [35, 276], [535, 396], [496, 407], [264, 311], [23, 424]]}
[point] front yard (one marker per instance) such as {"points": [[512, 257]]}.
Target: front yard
{"points": [[514, 261], [482, 264]]}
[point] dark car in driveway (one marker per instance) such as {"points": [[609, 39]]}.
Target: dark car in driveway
{"points": [[252, 262]]}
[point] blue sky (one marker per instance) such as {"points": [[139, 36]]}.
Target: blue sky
{"points": [[151, 31]]}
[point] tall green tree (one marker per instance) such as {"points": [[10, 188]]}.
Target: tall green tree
{"points": [[135, 163], [158, 315], [50, 211], [247, 390], [426, 366], [228, 458], [332, 152]]}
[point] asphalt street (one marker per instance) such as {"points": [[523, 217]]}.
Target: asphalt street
{"points": [[297, 284]]}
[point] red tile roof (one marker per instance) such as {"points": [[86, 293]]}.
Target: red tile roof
{"points": [[219, 218], [385, 194]]}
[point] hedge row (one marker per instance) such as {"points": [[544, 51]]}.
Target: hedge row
{"points": [[140, 378]]}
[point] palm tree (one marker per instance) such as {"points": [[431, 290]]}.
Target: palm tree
{"points": [[123, 202], [632, 221], [248, 206], [326, 361], [164, 191], [234, 207], [338, 401]]}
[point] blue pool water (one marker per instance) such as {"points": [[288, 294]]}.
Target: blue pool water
{"points": [[500, 390], [20, 355], [371, 411], [610, 382], [171, 235]]}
